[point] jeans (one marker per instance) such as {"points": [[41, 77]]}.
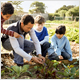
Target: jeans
{"points": [[26, 45], [54, 56], [44, 48]]}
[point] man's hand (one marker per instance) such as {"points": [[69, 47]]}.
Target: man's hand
{"points": [[60, 57], [37, 60], [41, 57], [16, 35]]}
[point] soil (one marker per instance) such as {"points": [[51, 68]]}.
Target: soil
{"points": [[7, 60]]}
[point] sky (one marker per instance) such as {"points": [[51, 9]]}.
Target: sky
{"points": [[52, 5]]}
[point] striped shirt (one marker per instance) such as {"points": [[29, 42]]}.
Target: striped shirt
{"points": [[7, 32]]}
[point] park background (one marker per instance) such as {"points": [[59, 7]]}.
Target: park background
{"points": [[55, 14]]}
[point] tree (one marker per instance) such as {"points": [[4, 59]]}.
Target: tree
{"points": [[65, 8], [73, 11], [37, 7], [17, 6], [62, 13]]}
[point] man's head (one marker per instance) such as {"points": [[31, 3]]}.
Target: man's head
{"points": [[60, 31], [39, 22], [27, 22], [7, 10]]}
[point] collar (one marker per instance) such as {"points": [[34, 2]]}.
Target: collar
{"points": [[19, 24], [2, 19], [38, 31]]}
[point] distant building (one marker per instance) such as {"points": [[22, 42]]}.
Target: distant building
{"points": [[15, 18], [45, 15]]}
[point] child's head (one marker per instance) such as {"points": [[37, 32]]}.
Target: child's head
{"points": [[7, 10], [60, 31], [39, 22]]}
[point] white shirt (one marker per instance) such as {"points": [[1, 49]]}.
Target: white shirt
{"points": [[21, 52]]}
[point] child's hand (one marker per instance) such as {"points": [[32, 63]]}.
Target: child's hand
{"points": [[16, 35], [60, 57]]}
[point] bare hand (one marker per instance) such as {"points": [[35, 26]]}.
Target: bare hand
{"points": [[16, 35], [37, 60], [41, 57], [60, 57]]}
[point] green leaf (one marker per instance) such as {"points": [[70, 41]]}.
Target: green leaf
{"points": [[64, 65], [29, 73], [9, 68], [2, 73], [24, 68], [73, 70], [17, 69], [35, 67], [77, 73], [75, 62], [72, 77]]}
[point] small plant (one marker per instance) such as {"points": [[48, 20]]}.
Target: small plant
{"points": [[18, 70], [70, 71], [45, 72]]}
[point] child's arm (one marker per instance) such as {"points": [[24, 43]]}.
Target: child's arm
{"points": [[10, 33], [46, 39], [54, 45]]}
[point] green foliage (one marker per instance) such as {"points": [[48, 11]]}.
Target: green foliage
{"points": [[64, 7], [56, 14], [70, 72], [18, 70], [62, 13], [2, 72], [17, 6], [60, 21], [72, 34], [38, 7], [44, 72], [55, 63], [51, 16], [73, 11]]}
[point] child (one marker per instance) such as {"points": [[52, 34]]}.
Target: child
{"points": [[42, 34], [60, 47], [6, 12]]}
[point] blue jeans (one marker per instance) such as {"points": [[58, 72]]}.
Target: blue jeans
{"points": [[54, 56], [26, 45]]}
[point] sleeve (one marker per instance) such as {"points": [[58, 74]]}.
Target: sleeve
{"points": [[68, 49], [46, 39], [36, 41], [7, 32], [18, 50]]}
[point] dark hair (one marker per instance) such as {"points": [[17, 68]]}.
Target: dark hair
{"points": [[7, 8], [39, 19], [26, 19], [60, 29]]}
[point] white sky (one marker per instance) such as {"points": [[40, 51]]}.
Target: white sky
{"points": [[52, 5]]}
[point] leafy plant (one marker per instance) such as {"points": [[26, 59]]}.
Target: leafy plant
{"points": [[46, 71], [18, 70], [71, 71]]}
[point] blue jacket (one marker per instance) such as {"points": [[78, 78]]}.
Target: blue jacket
{"points": [[60, 45]]}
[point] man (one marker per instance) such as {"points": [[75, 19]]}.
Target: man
{"points": [[20, 46]]}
